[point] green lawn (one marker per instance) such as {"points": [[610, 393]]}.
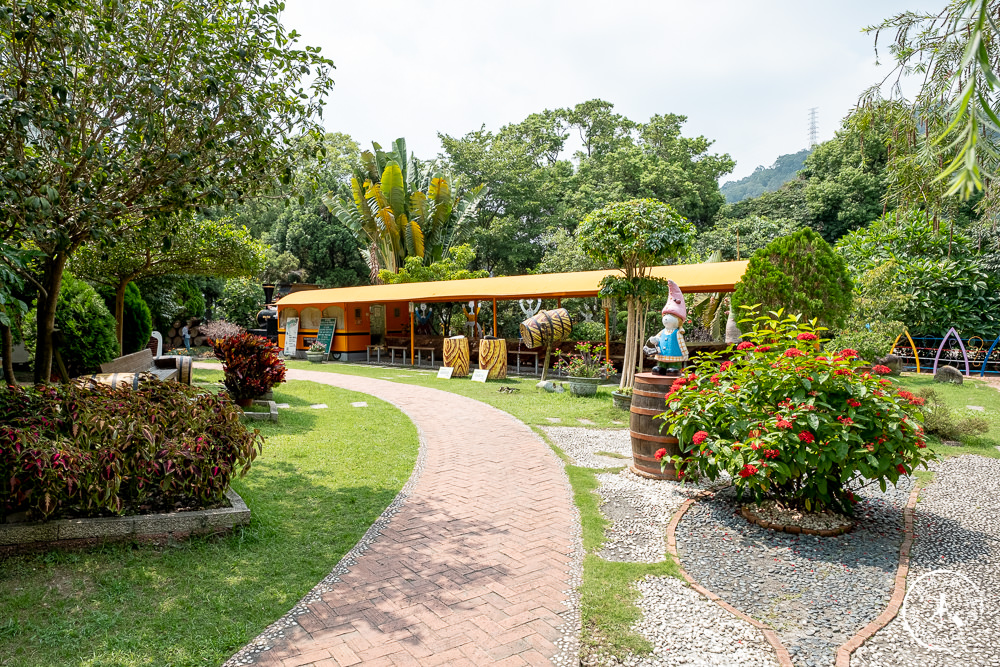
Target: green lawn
{"points": [[957, 397], [322, 480]]}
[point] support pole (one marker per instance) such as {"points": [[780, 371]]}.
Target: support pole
{"points": [[411, 336], [494, 318], [607, 334], [559, 302]]}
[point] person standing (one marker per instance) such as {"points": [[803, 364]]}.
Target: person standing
{"points": [[186, 335]]}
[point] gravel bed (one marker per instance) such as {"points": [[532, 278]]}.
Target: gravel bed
{"points": [[816, 592], [687, 629], [957, 528], [581, 443], [639, 510]]}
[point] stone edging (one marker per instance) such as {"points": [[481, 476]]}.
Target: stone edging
{"points": [[60, 533], [784, 659], [270, 415], [898, 593], [791, 529]]}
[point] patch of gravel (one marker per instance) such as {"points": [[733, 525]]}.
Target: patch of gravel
{"points": [[639, 510], [687, 629], [816, 592], [580, 444], [774, 513], [957, 529]]}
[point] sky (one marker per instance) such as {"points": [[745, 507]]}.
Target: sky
{"points": [[744, 72]]}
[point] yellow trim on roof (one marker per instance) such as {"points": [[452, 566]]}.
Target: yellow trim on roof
{"points": [[709, 277]]}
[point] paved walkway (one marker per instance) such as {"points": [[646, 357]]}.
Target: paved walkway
{"points": [[476, 566]]}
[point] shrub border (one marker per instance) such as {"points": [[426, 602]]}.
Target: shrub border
{"points": [[158, 528]]}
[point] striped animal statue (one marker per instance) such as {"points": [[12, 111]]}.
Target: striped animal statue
{"points": [[548, 326], [493, 357], [456, 355]]}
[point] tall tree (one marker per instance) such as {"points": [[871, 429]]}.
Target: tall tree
{"points": [[196, 247], [120, 113]]}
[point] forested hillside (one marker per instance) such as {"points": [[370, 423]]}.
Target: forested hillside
{"points": [[765, 179]]}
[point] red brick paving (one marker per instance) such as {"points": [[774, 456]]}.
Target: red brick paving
{"points": [[471, 569]]}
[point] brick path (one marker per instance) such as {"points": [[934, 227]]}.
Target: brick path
{"points": [[474, 569]]}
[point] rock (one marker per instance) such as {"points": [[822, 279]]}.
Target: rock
{"points": [[559, 389], [547, 385], [894, 363], [948, 374]]}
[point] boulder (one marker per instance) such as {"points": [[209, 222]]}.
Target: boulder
{"points": [[948, 374], [547, 385], [894, 363]]}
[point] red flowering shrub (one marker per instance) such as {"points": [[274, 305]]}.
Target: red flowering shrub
{"points": [[785, 421], [251, 364], [71, 450]]}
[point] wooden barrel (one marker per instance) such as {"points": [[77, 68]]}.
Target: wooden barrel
{"points": [[115, 380], [493, 357], [184, 370], [456, 355], [548, 326], [648, 400]]}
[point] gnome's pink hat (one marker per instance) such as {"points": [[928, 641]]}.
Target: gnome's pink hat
{"points": [[675, 303]]}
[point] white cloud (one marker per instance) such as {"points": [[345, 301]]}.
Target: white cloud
{"points": [[745, 73]]}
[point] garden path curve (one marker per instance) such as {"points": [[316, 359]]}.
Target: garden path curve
{"points": [[478, 564]]}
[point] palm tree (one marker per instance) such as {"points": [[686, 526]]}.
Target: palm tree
{"points": [[400, 207]]}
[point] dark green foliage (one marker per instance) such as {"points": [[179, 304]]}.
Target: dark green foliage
{"points": [[326, 251], [800, 273], [588, 331], [765, 179], [87, 326], [739, 238], [787, 202], [190, 299], [241, 301], [946, 275], [137, 321], [92, 450]]}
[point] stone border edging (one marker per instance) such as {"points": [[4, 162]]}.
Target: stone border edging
{"points": [[792, 529], [20, 538], [781, 653], [899, 590]]}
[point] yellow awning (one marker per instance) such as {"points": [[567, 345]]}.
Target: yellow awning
{"points": [[710, 277]]}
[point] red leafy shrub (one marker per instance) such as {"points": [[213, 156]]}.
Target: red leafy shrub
{"points": [[786, 421], [251, 364], [86, 451]]}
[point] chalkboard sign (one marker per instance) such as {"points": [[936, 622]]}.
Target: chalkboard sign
{"points": [[291, 336], [327, 326]]}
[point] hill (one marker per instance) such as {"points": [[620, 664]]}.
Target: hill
{"points": [[765, 179]]}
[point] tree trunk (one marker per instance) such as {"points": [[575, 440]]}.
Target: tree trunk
{"points": [[52, 281], [7, 350], [628, 363], [120, 312]]}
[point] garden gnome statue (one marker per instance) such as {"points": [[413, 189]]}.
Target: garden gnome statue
{"points": [[667, 347]]}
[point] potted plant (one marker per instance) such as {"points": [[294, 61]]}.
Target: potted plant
{"points": [[585, 369], [251, 366], [316, 352], [622, 398]]}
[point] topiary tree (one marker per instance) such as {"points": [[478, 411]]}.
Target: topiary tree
{"points": [[635, 236], [87, 326], [800, 273]]}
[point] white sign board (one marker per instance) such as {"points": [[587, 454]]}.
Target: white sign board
{"points": [[291, 335], [480, 375], [445, 372]]}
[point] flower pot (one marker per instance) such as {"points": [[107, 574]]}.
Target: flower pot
{"points": [[621, 401], [583, 386], [315, 357], [244, 402]]}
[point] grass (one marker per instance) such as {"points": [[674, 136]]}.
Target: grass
{"points": [[322, 480], [957, 397]]}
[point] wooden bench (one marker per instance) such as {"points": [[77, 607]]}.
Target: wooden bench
{"points": [[131, 369], [517, 354]]}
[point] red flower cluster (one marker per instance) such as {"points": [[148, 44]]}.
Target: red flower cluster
{"points": [[726, 365], [745, 345], [794, 352], [843, 371], [881, 370], [660, 453], [748, 469], [807, 336], [848, 353], [807, 437], [699, 437], [771, 453], [902, 469], [845, 420], [784, 423], [853, 403], [763, 348], [715, 379]]}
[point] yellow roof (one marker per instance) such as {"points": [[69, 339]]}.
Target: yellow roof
{"points": [[711, 277]]}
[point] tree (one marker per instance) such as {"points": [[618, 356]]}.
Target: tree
{"points": [[634, 236], [196, 247], [120, 113], [739, 238], [311, 244], [954, 53], [455, 266], [801, 274], [241, 301], [137, 320], [765, 179], [401, 208]]}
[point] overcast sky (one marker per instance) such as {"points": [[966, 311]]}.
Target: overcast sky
{"points": [[745, 73]]}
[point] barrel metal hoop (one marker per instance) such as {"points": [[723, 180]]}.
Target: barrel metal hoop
{"points": [[648, 394], [649, 412], [662, 439]]}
